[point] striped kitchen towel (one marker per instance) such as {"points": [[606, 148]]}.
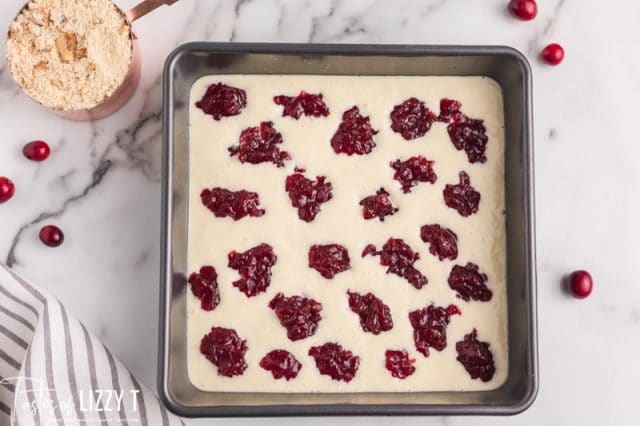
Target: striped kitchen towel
{"points": [[54, 372]]}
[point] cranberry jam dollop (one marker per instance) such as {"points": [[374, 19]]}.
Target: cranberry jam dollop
{"points": [[226, 350], [443, 242], [465, 133], [235, 204], [329, 259], [412, 119], [281, 364], [354, 135], [204, 285], [334, 361], [254, 266], [476, 357], [299, 315], [305, 103], [260, 145], [469, 283], [378, 205], [307, 195], [399, 257], [221, 100], [430, 327], [462, 196], [375, 316], [413, 171], [399, 363]]}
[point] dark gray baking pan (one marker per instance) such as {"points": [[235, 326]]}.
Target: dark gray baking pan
{"points": [[505, 65]]}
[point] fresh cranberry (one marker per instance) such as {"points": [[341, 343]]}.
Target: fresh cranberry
{"points": [[225, 350], [36, 150], [51, 235], [462, 197], [305, 103], [354, 135], [410, 172], [7, 189], [442, 242], [235, 204], [449, 110], [221, 100], [332, 360], [469, 283], [399, 363], [581, 284], [374, 315], [204, 285], [430, 327], [476, 357], [281, 363], [329, 259], [299, 315], [307, 195], [470, 135], [552, 54], [412, 119], [399, 257], [260, 145], [378, 205], [525, 10], [254, 266]]}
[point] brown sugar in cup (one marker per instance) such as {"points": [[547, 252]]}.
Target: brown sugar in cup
{"points": [[76, 57]]}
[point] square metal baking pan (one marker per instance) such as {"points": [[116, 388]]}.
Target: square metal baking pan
{"points": [[505, 65]]}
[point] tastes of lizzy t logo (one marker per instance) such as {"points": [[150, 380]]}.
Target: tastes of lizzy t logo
{"points": [[34, 398]]}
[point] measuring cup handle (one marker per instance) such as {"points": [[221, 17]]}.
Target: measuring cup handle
{"points": [[146, 6]]}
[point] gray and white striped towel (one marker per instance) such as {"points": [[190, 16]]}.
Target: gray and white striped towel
{"points": [[53, 371]]}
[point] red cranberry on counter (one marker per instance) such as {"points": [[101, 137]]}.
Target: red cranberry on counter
{"points": [[524, 10], [7, 189], [51, 235], [36, 150], [552, 54], [580, 284]]}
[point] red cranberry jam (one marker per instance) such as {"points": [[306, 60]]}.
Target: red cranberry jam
{"points": [[221, 100], [442, 242], [36, 150], [476, 357], [430, 327], [412, 119], [399, 363], [254, 266], [7, 189], [412, 171], [378, 205], [204, 286], [51, 235], [299, 315], [329, 259], [235, 204], [469, 283], [399, 257], [375, 316], [470, 135], [449, 110], [304, 104], [225, 350], [334, 361], [260, 145], [307, 195], [354, 135], [281, 363], [462, 197]]}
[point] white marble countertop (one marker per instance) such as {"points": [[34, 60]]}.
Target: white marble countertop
{"points": [[101, 184]]}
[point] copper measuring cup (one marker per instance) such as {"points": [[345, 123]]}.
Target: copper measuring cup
{"points": [[128, 87]]}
